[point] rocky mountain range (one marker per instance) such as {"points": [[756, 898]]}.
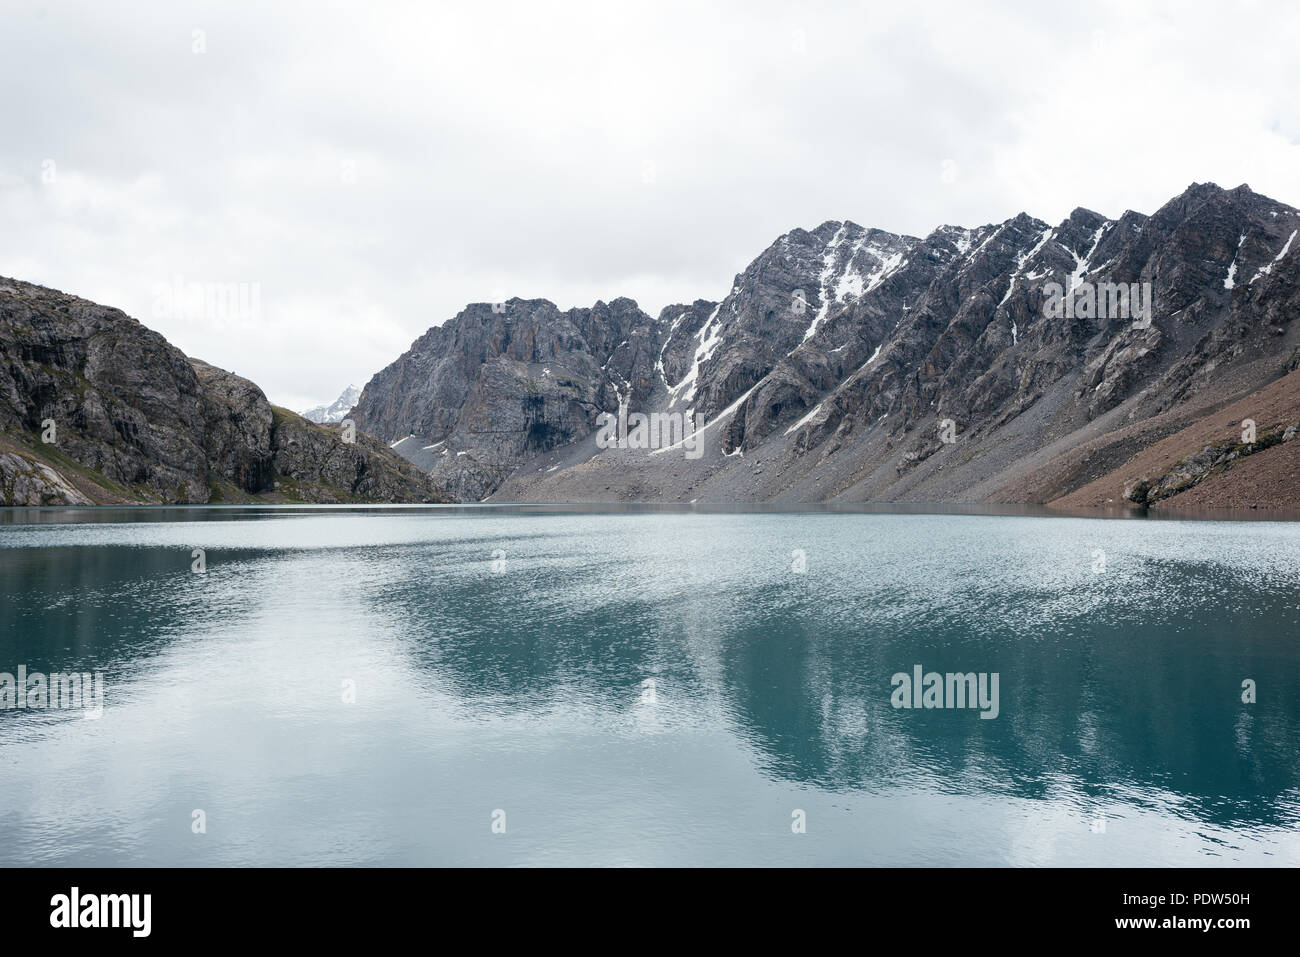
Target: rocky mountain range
{"points": [[97, 409], [1141, 361], [337, 410], [1013, 362]]}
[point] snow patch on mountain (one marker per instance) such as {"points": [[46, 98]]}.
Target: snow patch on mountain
{"points": [[337, 410]]}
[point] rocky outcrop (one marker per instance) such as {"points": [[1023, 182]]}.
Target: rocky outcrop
{"points": [[314, 464], [115, 397], [503, 382], [237, 429], [95, 407], [1211, 459], [25, 481]]}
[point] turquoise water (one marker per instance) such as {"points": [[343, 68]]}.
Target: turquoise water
{"points": [[373, 686]]}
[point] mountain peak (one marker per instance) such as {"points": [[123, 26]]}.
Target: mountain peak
{"points": [[337, 410]]}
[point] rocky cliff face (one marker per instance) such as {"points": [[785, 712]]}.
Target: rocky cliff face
{"points": [[796, 291], [498, 384], [312, 464], [852, 363], [119, 399], [96, 408], [979, 346]]}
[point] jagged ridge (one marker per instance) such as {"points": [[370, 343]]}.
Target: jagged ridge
{"points": [[828, 365]]}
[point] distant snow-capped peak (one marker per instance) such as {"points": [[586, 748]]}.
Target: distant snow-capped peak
{"points": [[337, 410]]}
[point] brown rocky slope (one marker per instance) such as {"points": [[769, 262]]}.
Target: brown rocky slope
{"points": [[1211, 462]]}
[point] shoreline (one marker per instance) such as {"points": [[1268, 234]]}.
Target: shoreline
{"points": [[15, 514]]}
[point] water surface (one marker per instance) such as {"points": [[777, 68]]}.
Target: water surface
{"points": [[649, 686]]}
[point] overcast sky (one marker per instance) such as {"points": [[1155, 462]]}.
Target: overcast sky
{"points": [[373, 166]]}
